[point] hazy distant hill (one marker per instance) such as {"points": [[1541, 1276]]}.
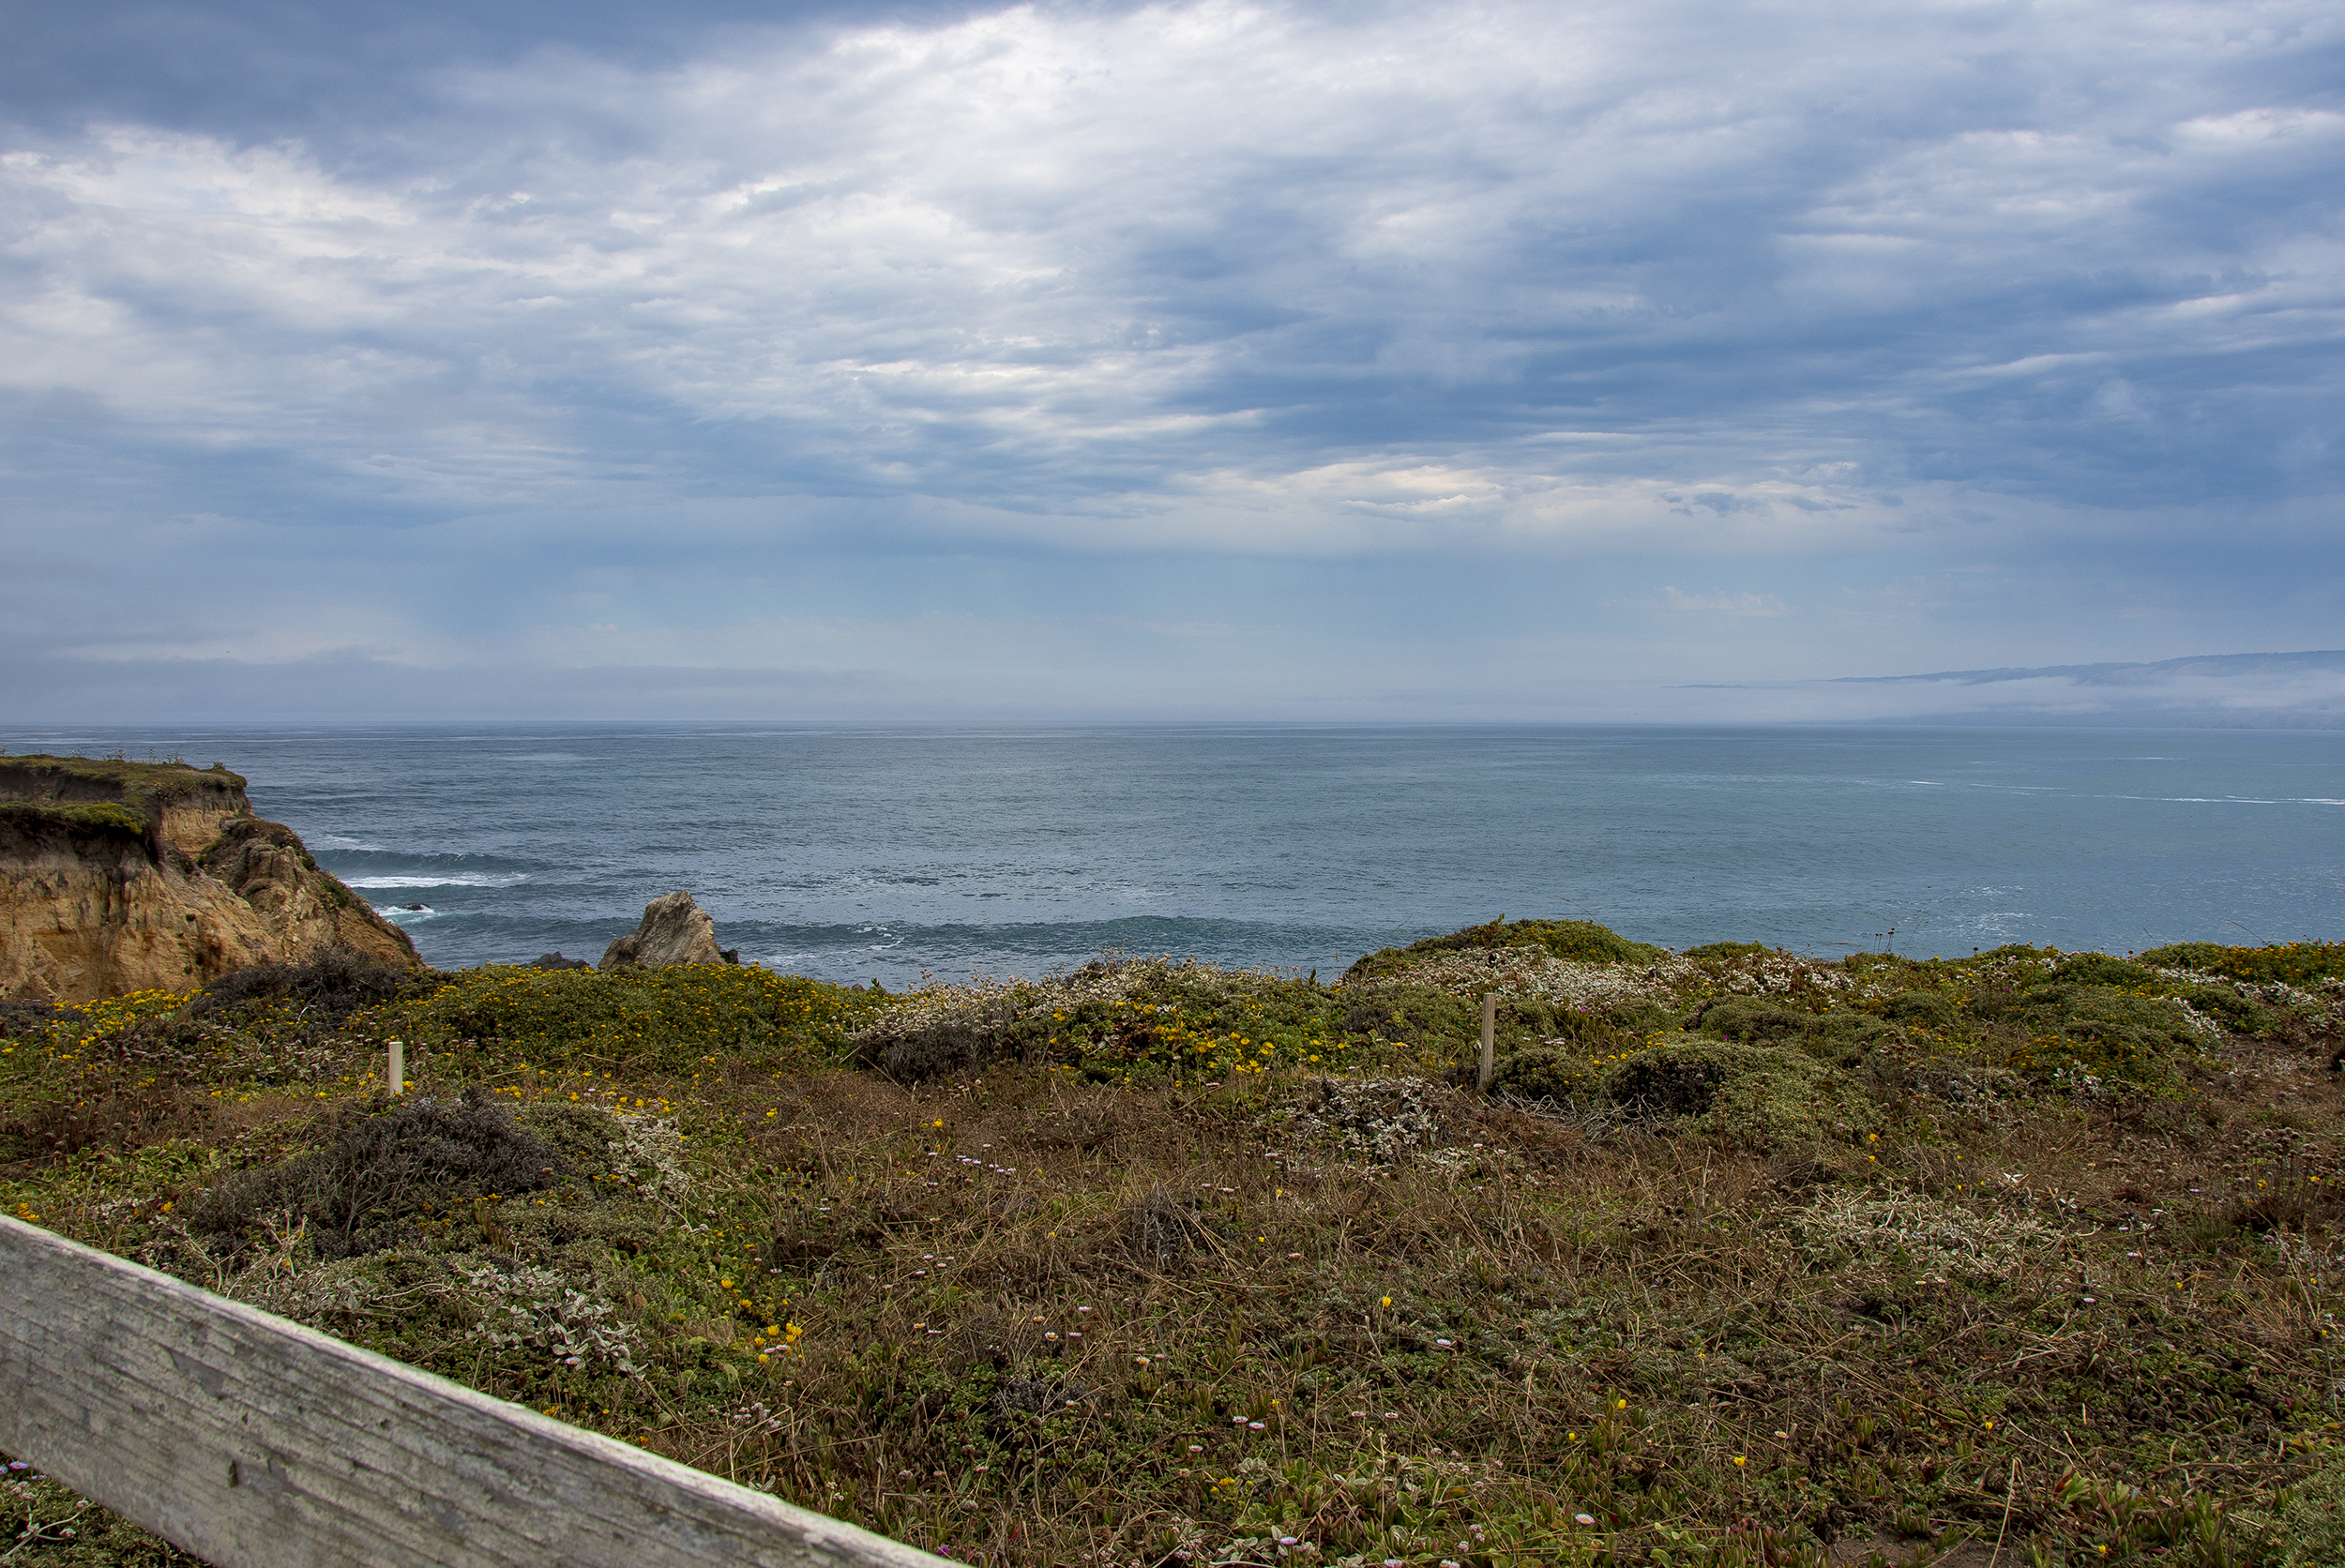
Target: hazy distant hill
{"points": [[2260, 692], [2301, 690]]}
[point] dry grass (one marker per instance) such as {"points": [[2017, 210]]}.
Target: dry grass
{"points": [[1028, 1319]]}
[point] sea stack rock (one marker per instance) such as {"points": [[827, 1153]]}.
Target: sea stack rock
{"points": [[674, 930], [119, 876]]}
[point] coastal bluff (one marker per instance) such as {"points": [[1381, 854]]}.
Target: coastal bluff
{"points": [[119, 876]]}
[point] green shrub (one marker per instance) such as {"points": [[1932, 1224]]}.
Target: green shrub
{"points": [[2076, 1033], [662, 1020], [1579, 941], [2291, 963], [2099, 969], [1542, 1073], [1415, 1013], [1725, 950], [1846, 1038], [1761, 1097], [1929, 1009], [1751, 1019], [2019, 951], [1142, 1019], [2238, 1013]]}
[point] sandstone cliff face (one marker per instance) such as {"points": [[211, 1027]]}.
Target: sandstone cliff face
{"points": [[124, 876]]}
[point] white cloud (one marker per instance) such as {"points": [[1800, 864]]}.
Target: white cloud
{"points": [[1721, 603], [766, 354], [1064, 261]]}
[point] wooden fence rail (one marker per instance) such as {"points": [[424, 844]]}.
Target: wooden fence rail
{"points": [[252, 1440]]}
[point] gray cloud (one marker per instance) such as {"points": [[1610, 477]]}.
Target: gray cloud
{"points": [[593, 328]]}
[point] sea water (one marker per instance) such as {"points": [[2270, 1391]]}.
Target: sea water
{"points": [[894, 852]]}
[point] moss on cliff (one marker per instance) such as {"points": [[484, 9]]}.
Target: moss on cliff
{"points": [[101, 817]]}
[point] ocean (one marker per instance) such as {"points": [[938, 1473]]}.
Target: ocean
{"points": [[895, 852]]}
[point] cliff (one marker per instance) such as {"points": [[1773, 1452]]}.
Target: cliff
{"points": [[121, 876]]}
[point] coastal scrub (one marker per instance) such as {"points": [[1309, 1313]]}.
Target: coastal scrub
{"points": [[1751, 1258]]}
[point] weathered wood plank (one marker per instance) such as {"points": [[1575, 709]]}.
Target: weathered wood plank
{"points": [[249, 1439]]}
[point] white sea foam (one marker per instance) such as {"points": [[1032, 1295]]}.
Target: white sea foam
{"points": [[442, 879], [399, 915]]}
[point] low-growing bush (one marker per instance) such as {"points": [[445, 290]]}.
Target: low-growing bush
{"points": [[2099, 969], [1143, 1019], [331, 986], [2089, 1037], [1725, 950], [1928, 1009], [1757, 1097], [2288, 963], [372, 1173], [1417, 1012], [1544, 1072], [1582, 941], [1752, 1019], [664, 1020]]}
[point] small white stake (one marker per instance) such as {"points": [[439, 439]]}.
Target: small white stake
{"points": [[398, 1068]]}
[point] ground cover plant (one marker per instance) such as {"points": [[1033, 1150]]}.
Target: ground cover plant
{"points": [[1750, 1258]]}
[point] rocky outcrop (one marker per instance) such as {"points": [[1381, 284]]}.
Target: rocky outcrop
{"points": [[141, 876], [674, 930]]}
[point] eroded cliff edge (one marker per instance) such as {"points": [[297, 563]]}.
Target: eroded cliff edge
{"points": [[119, 876]]}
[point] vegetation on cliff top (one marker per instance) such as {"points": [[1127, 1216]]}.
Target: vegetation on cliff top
{"points": [[170, 779], [1157, 1262]]}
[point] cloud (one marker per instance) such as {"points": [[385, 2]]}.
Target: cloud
{"points": [[1723, 604], [1057, 260], [1242, 283]]}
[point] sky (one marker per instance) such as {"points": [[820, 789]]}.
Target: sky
{"points": [[1628, 359]]}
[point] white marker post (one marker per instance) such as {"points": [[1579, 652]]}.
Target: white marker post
{"points": [[1490, 1043], [398, 1066]]}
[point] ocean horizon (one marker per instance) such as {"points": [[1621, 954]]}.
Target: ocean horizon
{"points": [[899, 851]]}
